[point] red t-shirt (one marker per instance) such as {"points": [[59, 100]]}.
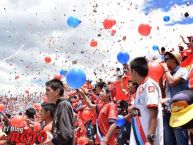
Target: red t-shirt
{"points": [[107, 113], [94, 118], [81, 132], [98, 100], [187, 52]]}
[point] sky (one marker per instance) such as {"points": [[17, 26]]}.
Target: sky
{"points": [[30, 30]]}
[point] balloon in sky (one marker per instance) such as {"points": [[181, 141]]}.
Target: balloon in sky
{"points": [[93, 43], [166, 18], [73, 22], [120, 120], [108, 23], [47, 59], [144, 29], [155, 48], [63, 72], [16, 77], [75, 78], [58, 77], [123, 57], [113, 32]]}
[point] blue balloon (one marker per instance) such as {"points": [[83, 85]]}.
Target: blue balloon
{"points": [[73, 22], [166, 18], [120, 121], [63, 72], [75, 78], [155, 48], [123, 57]]}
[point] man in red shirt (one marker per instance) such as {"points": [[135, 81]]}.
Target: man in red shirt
{"points": [[107, 116]]}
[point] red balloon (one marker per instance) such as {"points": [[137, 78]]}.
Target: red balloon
{"points": [[16, 77], [47, 59], [155, 70], [144, 29], [59, 77], [18, 121], [108, 24], [93, 43], [113, 32], [2, 107], [86, 115], [37, 106]]}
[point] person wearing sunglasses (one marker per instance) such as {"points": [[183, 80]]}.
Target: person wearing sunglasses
{"points": [[176, 81]]}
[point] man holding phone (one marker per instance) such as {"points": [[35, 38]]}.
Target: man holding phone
{"points": [[147, 123]]}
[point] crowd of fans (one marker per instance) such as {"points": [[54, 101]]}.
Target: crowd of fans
{"points": [[19, 103], [154, 112]]}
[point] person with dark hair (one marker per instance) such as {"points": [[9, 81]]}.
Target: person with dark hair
{"points": [[118, 74], [63, 121], [47, 114], [176, 81], [125, 68], [124, 134], [147, 124], [162, 52], [98, 89], [30, 113], [107, 116], [132, 88]]}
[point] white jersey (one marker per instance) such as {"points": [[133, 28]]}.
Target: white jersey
{"points": [[148, 95]]}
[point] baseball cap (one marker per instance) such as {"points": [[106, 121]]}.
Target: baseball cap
{"points": [[181, 108], [176, 55]]}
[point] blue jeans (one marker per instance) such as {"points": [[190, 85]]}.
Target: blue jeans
{"points": [[174, 136]]}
